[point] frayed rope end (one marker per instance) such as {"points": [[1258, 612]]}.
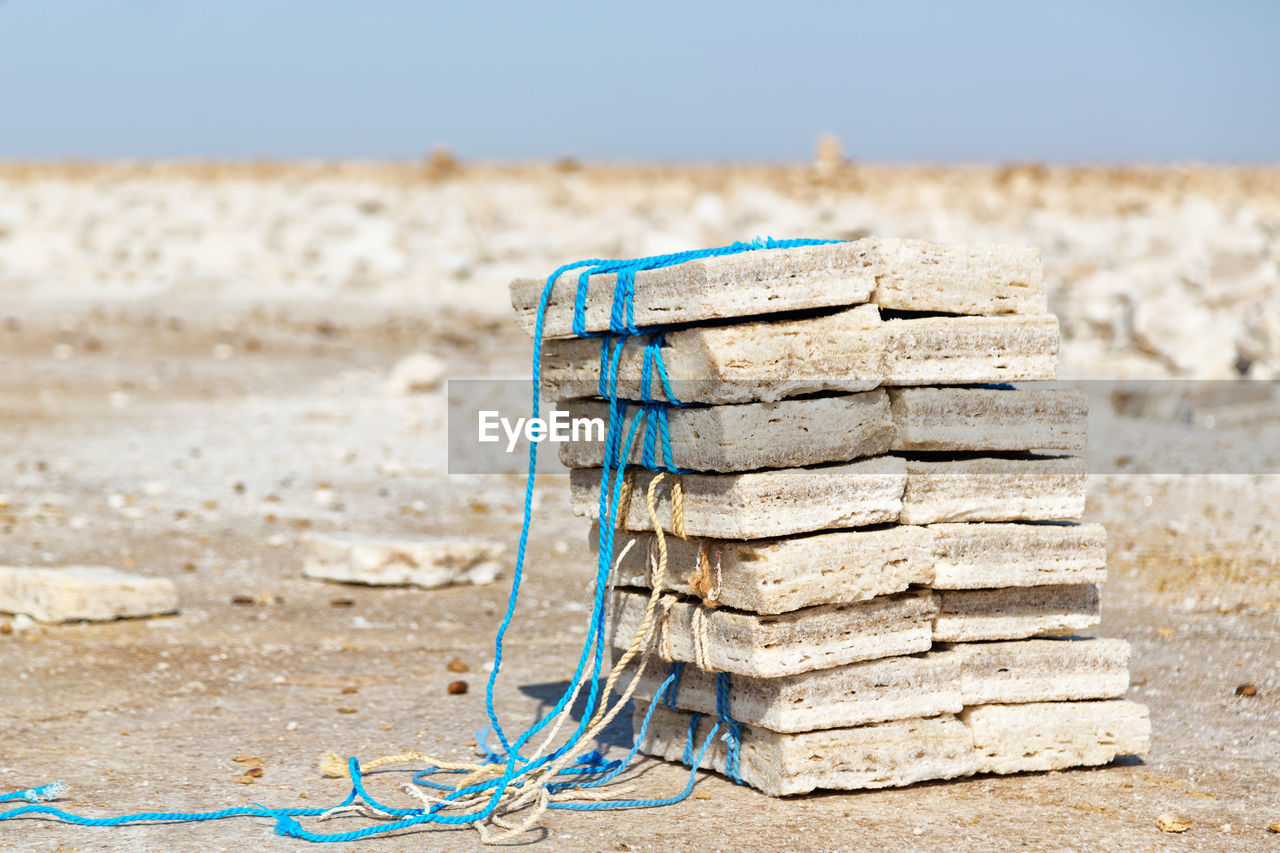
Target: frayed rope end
{"points": [[333, 766], [45, 793]]}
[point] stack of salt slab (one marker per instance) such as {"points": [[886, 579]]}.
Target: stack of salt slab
{"points": [[884, 532]]}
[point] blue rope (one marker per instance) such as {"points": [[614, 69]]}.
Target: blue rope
{"points": [[619, 444], [673, 680], [733, 728], [42, 794]]}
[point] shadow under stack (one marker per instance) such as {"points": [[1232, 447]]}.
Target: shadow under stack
{"points": [[876, 571]]}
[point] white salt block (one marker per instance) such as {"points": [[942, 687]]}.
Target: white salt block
{"points": [[969, 615], [905, 275], [785, 644], [423, 561], [853, 350], [986, 739], [760, 504], [841, 428], [415, 374], [83, 592]]}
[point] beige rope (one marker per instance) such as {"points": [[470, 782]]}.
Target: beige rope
{"points": [[536, 790], [624, 498], [677, 508], [532, 793]]}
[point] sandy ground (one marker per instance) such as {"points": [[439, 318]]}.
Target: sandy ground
{"points": [[208, 470], [200, 439]]}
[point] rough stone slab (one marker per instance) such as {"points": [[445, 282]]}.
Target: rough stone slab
{"points": [[853, 350], [986, 739], [83, 592], [941, 681], [762, 504], [989, 556], [1019, 671], [908, 275], [1012, 614], [898, 688], [423, 561], [780, 575], [841, 428], [753, 361], [755, 435], [786, 644], [989, 419], [959, 350], [1056, 735], [765, 504], [993, 489], [881, 755], [915, 275]]}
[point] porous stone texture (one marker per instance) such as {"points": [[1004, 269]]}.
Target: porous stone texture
{"points": [[1011, 614], [986, 739], [92, 593], [763, 504], [986, 419], [1042, 670], [881, 755], [916, 275], [760, 504], [841, 428], [786, 644], [983, 488], [422, 561], [958, 350], [897, 688], [1056, 735], [755, 435], [852, 350], [988, 556], [944, 680], [780, 575], [907, 275]]}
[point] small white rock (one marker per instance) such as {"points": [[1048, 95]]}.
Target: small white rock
{"points": [[424, 561], [83, 592], [415, 374]]}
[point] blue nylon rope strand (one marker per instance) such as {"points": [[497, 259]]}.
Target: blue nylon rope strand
{"points": [[733, 733], [695, 762]]}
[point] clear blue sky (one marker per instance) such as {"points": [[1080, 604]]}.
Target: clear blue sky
{"points": [[604, 80]]}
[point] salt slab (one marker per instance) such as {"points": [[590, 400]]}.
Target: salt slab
{"points": [[905, 275], [764, 504], [945, 680], [784, 644], [853, 350], [760, 504], [423, 561], [780, 575], [845, 427], [1042, 670], [986, 739], [83, 592], [1011, 614], [989, 488]]}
